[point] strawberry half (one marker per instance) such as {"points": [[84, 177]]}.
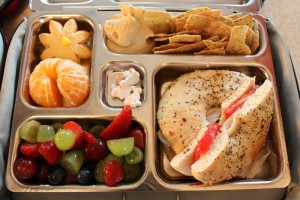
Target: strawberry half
{"points": [[112, 172], [120, 126], [30, 149], [77, 130], [50, 152], [89, 138]]}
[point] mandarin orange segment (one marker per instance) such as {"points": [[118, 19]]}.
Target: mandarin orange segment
{"points": [[56, 82], [49, 66], [73, 82], [43, 90]]}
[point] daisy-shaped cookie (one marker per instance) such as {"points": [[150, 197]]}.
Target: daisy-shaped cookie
{"points": [[65, 42]]}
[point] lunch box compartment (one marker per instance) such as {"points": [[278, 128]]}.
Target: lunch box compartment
{"points": [[35, 48], [110, 73], [86, 123], [258, 19], [164, 75]]}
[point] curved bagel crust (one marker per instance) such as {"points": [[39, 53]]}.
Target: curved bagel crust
{"points": [[182, 109], [247, 135]]}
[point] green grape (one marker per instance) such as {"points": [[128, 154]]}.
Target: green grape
{"points": [[121, 147], [131, 172], [110, 156], [28, 130], [45, 133], [134, 157], [57, 126], [96, 130], [64, 139], [72, 161], [98, 171]]}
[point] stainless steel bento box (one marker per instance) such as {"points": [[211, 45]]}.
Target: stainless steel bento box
{"points": [[156, 71]]}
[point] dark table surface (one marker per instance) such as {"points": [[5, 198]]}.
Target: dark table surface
{"points": [[9, 23]]}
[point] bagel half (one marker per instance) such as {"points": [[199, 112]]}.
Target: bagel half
{"points": [[235, 147], [183, 161], [182, 109]]}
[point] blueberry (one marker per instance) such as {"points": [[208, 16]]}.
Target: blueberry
{"points": [[86, 173], [55, 175]]}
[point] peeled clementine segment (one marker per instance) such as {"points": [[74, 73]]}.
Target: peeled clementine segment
{"points": [[73, 82], [56, 80], [42, 84]]}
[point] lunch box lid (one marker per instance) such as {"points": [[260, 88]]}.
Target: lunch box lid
{"points": [[252, 6]]}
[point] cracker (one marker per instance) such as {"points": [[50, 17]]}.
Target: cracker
{"points": [[226, 20], [255, 39], [167, 46], [187, 48], [190, 32], [161, 39], [237, 42], [207, 26], [249, 37], [214, 38], [234, 16], [180, 20], [185, 38], [173, 25], [223, 39], [180, 23], [214, 45], [217, 51], [244, 20], [205, 11]]}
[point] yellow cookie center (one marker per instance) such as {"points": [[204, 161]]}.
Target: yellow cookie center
{"points": [[65, 41]]}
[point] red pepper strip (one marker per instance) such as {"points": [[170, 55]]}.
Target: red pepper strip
{"points": [[206, 141], [233, 107]]}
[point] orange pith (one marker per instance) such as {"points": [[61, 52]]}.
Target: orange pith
{"points": [[56, 80]]}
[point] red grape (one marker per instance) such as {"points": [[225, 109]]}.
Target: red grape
{"points": [[43, 171], [97, 151], [138, 138], [25, 168]]}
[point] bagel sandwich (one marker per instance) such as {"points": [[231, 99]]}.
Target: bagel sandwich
{"points": [[241, 131], [182, 109]]}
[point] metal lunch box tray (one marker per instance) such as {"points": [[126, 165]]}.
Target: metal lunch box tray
{"points": [[156, 72]]}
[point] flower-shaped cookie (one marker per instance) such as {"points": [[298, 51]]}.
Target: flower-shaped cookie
{"points": [[65, 42]]}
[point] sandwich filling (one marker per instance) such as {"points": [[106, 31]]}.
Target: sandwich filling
{"points": [[206, 141], [233, 107]]}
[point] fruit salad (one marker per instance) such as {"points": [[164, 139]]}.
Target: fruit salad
{"points": [[84, 152]]}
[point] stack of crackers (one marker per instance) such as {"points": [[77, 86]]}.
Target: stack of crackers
{"points": [[204, 31]]}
